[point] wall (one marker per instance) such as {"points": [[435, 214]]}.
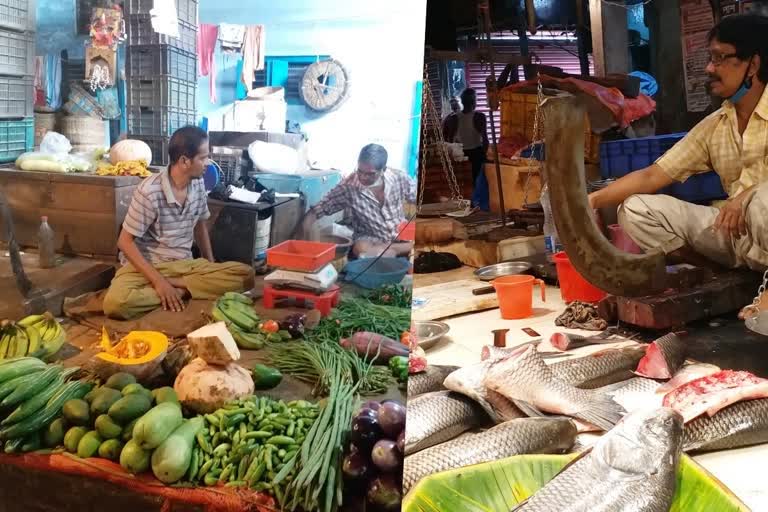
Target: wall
{"points": [[380, 43], [56, 28]]}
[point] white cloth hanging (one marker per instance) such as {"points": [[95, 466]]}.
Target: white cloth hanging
{"points": [[165, 19], [231, 37]]}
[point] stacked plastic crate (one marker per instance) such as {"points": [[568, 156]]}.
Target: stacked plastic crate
{"points": [[17, 70], [161, 74]]}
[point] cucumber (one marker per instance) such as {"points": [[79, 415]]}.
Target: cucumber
{"points": [[18, 368], [8, 387], [52, 409], [35, 403], [37, 383]]}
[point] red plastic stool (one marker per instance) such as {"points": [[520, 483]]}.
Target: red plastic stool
{"points": [[323, 302]]}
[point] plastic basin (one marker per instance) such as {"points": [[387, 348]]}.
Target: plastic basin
{"points": [[573, 287], [369, 273]]}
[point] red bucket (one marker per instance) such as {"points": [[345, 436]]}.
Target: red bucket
{"points": [[573, 287]]}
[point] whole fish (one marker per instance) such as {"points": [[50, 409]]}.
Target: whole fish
{"points": [[687, 374], [600, 368], [738, 425], [492, 352], [530, 384], [663, 358], [436, 417], [469, 382], [632, 468], [429, 380], [515, 437], [715, 392], [636, 393], [564, 341]]}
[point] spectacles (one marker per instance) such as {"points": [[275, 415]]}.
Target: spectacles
{"points": [[718, 59]]}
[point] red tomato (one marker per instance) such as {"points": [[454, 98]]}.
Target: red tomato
{"points": [[270, 326]]}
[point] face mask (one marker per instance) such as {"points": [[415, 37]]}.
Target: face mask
{"points": [[746, 85]]}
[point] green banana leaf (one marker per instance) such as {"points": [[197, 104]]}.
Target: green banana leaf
{"points": [[500, 485]]}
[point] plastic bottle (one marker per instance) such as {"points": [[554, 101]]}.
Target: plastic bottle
{"points": [[45, 245], [551, 242]]}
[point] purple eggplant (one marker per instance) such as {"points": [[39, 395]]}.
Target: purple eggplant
{"points": [[371, 404], [356, 467], [294, 324], [392, 419], [385, 491], [365, 432], [385, 455], [401, 442]]}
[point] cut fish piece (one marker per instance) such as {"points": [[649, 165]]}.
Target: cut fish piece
{"points": [[663, 358], [687, 374]]}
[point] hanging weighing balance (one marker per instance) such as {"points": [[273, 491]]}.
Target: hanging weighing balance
{"points": [[758, 321]]}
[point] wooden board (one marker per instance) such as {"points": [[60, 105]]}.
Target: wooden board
{"points": [[451, 299]]}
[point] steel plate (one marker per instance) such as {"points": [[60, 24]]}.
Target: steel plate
{"points": [[509, 268], [428, 333]]}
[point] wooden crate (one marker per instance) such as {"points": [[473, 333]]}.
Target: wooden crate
{"points": [[518, 116], [513, 179], [85, 212], [436, 184]]}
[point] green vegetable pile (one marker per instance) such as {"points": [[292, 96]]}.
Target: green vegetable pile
{"points": [[356, 314], [249, 442], [392, 295], [399, 367]]}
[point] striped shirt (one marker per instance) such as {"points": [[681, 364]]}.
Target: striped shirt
{"points": [[163, 228], [741, 161], [370, 220]]}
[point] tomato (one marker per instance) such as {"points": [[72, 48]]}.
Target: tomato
{"points": [[270, 326], [405, 338]]}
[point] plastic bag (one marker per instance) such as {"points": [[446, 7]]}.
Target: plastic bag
{"points": [[49, 162], [55, 143], [274, 158]]}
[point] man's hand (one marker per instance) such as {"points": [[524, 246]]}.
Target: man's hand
{"points": [[171, 298], [731, 221]]}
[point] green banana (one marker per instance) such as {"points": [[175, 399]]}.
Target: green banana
{"points": [[237, 297], [219, 316], [246, 340], [30, 320], [242, 308], [238, 318], [34, 340]]}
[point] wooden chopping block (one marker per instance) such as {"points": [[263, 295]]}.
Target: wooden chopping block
{"points": [[434, 230]]}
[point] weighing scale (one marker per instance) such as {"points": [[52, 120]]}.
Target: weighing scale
{"points": [[319, 281]]}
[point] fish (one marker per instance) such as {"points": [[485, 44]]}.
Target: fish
{"points": [[469, 382], [736, 426], [438, 417], [636, 393], [687, 374], [530, 384], [429, 380], [489, 352], [600, 368], [514, 437], [632, 468], [714, 392], [663, 357], [564, 341]]}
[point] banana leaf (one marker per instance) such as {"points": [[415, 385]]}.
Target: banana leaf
{"points": [[500, 485]]}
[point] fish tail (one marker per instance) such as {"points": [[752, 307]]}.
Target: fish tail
{"points": [[601, 411]]}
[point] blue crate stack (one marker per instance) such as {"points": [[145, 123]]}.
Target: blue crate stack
{"points": [[161, 76], [620, 157], [17, 61]]}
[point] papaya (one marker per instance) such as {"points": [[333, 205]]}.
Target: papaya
{"points": [[89, 445], [119, 380], [171, 459], [103, 400], [72, 438], [154, 427], [76, 412], [128, 430], [134, 459], [53, 436], [110, 449], [165, 394], [137, 389], [107, 428], [130, 407]]}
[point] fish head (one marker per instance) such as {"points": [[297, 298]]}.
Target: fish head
{"points": [[643, 443]]}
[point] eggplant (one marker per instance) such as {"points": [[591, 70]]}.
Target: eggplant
{"points": [[371, 404], [365, 432], [384, 491], [368, 412], [392, 418], [356, 467], [401, 442], [385, 455], [367, 344], [294, 324]]}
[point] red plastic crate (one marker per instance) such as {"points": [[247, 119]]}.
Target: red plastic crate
{"points": [[301, 255], [407, 231]]}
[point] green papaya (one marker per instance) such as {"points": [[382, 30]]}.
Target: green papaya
{"points": [[171, 459], [154, 427], [53, 436], [134, 459], [76, 412], [119, 380], [89, 445], [72, 438], [128, 430], [130, 407], [165, 394], [107, 428], [110, 449], [136, 389], [103, 400]]}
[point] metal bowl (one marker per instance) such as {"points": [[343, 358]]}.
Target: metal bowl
{"points": [[509, 268], [428, 333]]}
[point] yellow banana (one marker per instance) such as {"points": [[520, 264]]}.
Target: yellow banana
{"points": [[4, 341], [34, 340], [30, 320], [22, 343]]}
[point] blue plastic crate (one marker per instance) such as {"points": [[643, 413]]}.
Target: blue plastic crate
{"points": [[16, 138], [621, 157]]}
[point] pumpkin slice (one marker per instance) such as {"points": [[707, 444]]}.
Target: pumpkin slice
{"points": [[214, 344], [139, 353], [500, 485]]}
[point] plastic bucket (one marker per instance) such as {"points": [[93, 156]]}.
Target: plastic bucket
{"points": [[573, 287], [515, 295], [622, 241]]}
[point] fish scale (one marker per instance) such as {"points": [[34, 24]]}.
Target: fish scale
{"points": [[601, 368], [429, 380], [527, 381], [738, 425], [514, 437], [630, 469], [437, 417]]}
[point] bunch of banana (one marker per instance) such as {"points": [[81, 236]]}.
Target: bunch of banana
{"points": [[236, 311], [38, 336]]}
